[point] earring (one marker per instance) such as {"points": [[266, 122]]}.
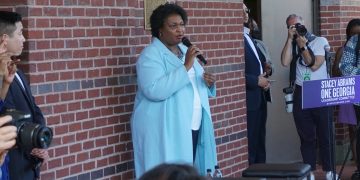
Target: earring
{"points": [[160, 34]]}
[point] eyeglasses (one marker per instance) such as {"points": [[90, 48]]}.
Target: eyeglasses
{"points": [[247, 11]]}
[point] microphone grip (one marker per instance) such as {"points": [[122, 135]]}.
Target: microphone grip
{"points": [[201, 58], [187, 43]]}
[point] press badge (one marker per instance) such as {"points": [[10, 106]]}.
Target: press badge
{"points": [[307, 76]]}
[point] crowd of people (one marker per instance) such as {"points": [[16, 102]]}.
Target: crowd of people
{"points": [[171, 81], [303, 52]]}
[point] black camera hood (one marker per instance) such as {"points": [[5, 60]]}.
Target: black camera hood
{"points": [[288, 90]]}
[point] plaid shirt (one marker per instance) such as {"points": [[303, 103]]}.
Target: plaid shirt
{"points": [[348, 64]]}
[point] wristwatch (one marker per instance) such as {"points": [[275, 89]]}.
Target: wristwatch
{"points": [[303, 48]]}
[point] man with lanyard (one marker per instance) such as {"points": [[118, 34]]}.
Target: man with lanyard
{"points": [[305, 53]]}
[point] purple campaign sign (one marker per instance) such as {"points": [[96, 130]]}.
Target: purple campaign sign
{"points": [[329, 92]]}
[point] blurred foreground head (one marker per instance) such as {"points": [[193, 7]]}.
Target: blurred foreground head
{"points": [[172, 172]]}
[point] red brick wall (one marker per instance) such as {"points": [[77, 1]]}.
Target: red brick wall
{"points": [[334, 19], [80, 58], [216, 27]]}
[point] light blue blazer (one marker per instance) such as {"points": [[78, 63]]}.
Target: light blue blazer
{"points": [[162, 117]]}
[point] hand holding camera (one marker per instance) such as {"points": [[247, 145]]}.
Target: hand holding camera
{"points": [[297, 30], [29, 135], [41, 153], [7, 134], [301, 41], [291, 32]]}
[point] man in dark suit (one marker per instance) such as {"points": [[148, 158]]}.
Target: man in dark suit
{"points": [[256, 85], [22, 164]]}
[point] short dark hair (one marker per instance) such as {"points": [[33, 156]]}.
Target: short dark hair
{"points": [[172, 172], [162, 12], [352, 23], [7, 22]]}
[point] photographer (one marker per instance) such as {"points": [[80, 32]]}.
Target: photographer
{"points": [[305, 54], [22, 164]]}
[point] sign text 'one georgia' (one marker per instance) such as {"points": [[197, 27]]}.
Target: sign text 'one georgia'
{"points": [[328, 92]]}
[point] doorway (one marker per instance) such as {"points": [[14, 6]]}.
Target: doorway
{"points": [[255, 10], [282, 141]]}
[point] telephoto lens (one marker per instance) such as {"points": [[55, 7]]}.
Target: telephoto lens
{"points": [[288, 99]]}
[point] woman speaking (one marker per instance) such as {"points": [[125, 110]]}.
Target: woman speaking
{"points": [[171, 122]]}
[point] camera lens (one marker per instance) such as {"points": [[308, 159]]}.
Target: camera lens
{"points": [[25, 135], [32, 135], [43, 137], [288, 90], [29, 135], [300, 29]]}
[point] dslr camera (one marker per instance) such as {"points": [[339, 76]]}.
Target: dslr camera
{"points": [[288, 99], [29, 135], [301, 29]]}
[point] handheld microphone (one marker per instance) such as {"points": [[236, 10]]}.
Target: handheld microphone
{"points": [[187, 43]]}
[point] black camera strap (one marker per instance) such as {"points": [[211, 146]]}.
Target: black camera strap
{"points": [[297, 56], [312, 57]]}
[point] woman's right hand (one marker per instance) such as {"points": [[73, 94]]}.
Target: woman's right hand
{"points": [[191, 53]]}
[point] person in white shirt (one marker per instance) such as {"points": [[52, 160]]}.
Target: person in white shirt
{"points": [[313, 124]]}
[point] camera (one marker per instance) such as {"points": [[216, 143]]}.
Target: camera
{"points": [[300, 29], [288, 99], [29, 135]]}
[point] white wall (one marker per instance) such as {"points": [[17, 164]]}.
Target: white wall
{"points": [[282, 143]]}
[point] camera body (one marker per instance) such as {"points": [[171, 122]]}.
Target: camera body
{"points": [[289, 99], [301, 29], [29, 135]]}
